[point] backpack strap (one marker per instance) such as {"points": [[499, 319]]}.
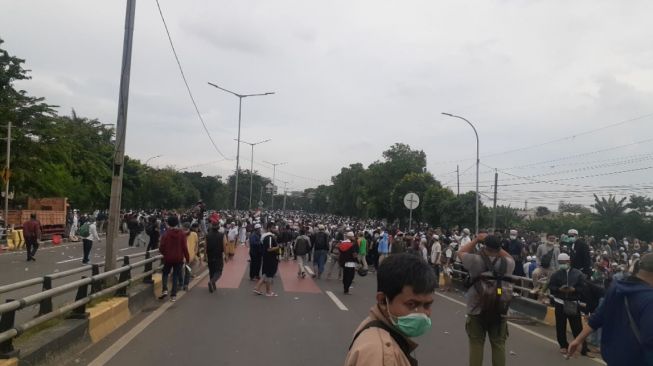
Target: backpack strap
{"points": [[401, 341], [631, 321]]}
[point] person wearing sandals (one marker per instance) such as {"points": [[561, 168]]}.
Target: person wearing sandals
{"points": [[270, 260]]}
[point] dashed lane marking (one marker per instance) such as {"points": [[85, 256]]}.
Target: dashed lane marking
{"points": [[337, 301], [69, 260], [309, 270]]}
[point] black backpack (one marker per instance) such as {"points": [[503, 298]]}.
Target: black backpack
{"points": [[494, 301]]}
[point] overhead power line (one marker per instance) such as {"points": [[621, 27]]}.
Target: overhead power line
{"points": [[183, 76]]}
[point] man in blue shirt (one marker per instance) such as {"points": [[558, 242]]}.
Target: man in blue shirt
{"points": [[626, 317]]}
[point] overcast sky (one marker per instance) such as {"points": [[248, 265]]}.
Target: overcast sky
{"points": [[353, 77]]}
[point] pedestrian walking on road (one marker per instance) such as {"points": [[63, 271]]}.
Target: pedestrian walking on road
{"points": [[255, 253], [232, 236], [32, 235], [626, 317], [436, 254], [566, 286], [487, 297], [270, 260], [132, 226], [88, 233], [216, 245], [405, 285], [302, 248], [174, 251], [321, 247], [362, 250], [348, 259], [152, 230]]}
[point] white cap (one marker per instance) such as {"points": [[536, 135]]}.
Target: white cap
{"points": [[563, 257], [572, 232], [350, 234], [529, 258], [636, 255], [466, 231], [436, 237], [257, 226], [513, 232]]}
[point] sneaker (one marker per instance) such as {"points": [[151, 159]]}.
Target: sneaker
{"points": [[164, 294], [303, 274], [173, 298]]}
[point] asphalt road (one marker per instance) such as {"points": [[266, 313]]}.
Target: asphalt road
{"points": [[304, 325], [49, 260]]}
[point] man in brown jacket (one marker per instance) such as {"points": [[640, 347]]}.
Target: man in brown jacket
{"points": [[405, 285]]}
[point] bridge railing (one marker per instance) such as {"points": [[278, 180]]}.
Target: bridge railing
{"points": [[88, 289]]}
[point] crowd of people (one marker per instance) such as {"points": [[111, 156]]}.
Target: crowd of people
{"points": [[573, 273]]}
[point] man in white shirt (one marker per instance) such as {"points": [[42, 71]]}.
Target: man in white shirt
{"points": [[436, 253], [87, 241], [465, 239]]}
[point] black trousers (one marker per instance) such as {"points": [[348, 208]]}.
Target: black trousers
{"points": [[255, 263], [87, 245], [32, 244], [561, 327], [436, 269], [348, 277], [132, 236], [215, 270]]}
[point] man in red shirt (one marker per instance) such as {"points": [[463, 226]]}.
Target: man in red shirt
{"points": [[174, 250], [32, 234]]}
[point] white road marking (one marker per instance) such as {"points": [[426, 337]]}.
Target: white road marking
{"points": [[309, 270], [547, 339], [70, 260], [113, 350], [123, 249], [337, 301]]}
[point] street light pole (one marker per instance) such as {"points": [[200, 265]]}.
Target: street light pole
{"points": [[251, 167], [274, 177], [478, 160], [240, 108], [153, 157]]}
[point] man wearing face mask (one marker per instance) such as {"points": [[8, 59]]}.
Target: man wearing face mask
{"points": [[566, 286], [626, 317], [405, 285], [580, 253], [516, 249]]}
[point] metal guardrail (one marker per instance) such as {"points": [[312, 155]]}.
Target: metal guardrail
{"points": [[77, 309]]}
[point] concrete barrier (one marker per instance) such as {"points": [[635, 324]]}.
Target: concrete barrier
{"points": [[107, 316]]}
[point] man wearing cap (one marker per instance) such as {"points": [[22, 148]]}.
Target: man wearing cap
{"points": [[566, 286], [321, 248], [516, 249], [626, 317], [580, 252]]}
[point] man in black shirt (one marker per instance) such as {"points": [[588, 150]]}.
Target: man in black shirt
{"points": [[270, 260], [215, 249]]}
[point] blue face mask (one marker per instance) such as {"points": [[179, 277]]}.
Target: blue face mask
{"points": [[411, 325], [572, 239], [564, 266]]}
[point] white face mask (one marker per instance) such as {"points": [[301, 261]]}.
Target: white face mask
{"points": [[513, 237]]}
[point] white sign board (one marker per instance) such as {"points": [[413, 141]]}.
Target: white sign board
{"points": [[411, 201]]}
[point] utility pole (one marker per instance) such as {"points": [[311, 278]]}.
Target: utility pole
{"points": [[274, 178], [121, 128], [285, 191], [458, 179], [7, 175], [494, 206], [251, 168]]}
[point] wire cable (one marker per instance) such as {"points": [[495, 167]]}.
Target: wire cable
{"points": [[183, 76]]}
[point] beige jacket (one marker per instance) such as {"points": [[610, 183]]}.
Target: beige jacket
{"points": [[375, 346]]}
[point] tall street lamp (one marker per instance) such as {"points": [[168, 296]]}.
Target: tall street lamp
{"points": [[153, 157], [274, 177], [251, 167], [477, 161], [240, 107]]}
